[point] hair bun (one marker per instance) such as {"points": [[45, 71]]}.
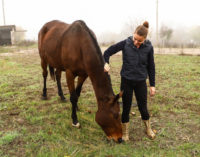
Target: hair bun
{"points": [[146, 24]]}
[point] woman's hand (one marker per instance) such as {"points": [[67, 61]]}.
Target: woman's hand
{"points": [[152, 91], [106, 67]]}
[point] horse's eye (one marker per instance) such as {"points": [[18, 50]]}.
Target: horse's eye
{"points": [[116, 115]]}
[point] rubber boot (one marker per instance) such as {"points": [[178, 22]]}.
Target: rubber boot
{"points": [[125, 131], [149, 131]]}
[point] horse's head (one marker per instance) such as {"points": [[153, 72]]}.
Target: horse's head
{"points": [[108, 117]]}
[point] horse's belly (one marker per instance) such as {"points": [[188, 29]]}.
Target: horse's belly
{"points": [[55, 63], [75, 67]]}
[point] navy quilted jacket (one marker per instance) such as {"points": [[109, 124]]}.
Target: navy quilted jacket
{"points": [[138, 63]]}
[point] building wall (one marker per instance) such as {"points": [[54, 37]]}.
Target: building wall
{"points": [[17, 36], [5, 37], [10, 34]]}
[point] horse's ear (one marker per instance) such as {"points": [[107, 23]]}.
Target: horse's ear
{"points": [[118, 96]]}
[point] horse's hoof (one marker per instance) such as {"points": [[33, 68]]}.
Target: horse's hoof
{"points": [[44, 98], [120, 140], [77, 125], [63, 100]]}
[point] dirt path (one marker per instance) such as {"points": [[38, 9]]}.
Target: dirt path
{"points": [[26, 51], [179, 51], [174, 51]]}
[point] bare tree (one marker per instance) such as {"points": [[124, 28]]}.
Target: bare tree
{"points": [[127, 30], [130, 26], [195, 35], [165, 34]]}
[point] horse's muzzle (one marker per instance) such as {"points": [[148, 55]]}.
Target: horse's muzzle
{"points": [[120, 140]]}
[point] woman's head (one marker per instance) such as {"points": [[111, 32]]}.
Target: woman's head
{"points": [[140, 34]]}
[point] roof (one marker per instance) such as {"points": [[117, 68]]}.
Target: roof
{"points": [[8, 27]]}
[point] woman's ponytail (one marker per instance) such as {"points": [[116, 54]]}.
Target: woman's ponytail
{"points": [[146, 24], [142, 30]]}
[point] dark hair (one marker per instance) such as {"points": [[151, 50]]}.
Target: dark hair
{"points": [[142, 30]]}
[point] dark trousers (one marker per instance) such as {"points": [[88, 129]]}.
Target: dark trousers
{"points": [[140, 90]]}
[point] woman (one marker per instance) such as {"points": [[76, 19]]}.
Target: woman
{"points": [[138, 63]]}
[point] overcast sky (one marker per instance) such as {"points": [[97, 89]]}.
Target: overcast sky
{"points": [[101, 15]]}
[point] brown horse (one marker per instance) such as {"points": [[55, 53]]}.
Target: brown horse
{"points": [[73, 48]]}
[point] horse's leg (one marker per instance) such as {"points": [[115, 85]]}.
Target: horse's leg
{"points": [[44, 73], [58, 78], [80, 82], [73, 97]]}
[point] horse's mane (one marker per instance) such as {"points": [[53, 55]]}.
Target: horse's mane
{"points": [[99, 53], [83, 24], [97, 48]]}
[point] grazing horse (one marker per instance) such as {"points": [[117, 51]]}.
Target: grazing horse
{"points": [[73, 48]]}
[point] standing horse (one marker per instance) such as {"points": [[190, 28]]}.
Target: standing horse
{"points": [[73, 48]]}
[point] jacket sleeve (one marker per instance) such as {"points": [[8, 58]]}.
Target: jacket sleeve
{"points": [[151, 68], [113, 49]]}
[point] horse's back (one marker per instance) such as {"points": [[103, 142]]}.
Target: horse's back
{"points": [[49, 40], [66, 46], [50, 33], [72, 43]]}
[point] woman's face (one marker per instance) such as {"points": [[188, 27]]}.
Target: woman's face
{"points": [[138, 40]]}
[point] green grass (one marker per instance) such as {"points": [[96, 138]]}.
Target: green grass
{"points": [[8, 138], [33, 127]]}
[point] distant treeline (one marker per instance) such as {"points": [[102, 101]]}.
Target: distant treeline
{"points": [[177, 37]]}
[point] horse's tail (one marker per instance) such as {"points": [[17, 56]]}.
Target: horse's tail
{"points": [[52, 72]]}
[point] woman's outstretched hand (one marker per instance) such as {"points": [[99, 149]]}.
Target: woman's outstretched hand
{"points": [[106, 67]]}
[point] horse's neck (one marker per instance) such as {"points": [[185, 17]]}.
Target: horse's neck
{"points": [[101, 85], [94, 68]]}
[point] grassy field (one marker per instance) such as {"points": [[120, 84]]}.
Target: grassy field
{"points": [[33, 127], [26, 45]]}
